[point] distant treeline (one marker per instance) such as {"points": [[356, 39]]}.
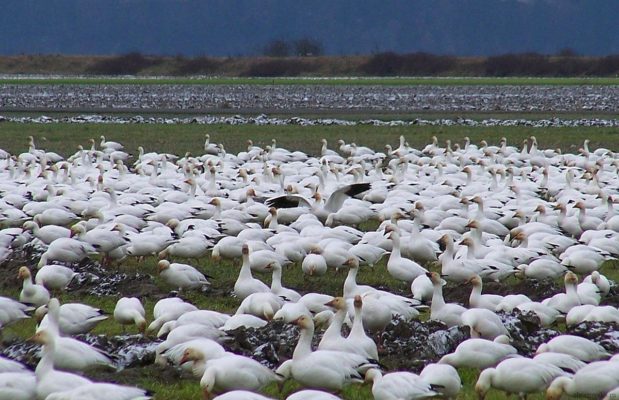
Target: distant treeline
{"points": [[381, 64]]}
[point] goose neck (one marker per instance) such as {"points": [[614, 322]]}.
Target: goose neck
{"points": [[304, 345]]}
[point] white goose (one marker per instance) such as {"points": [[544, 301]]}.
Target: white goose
{"points": [[478, 300], [480, 353], [322, 369], [101, 391], [31, 293], [450, 314], [312, 395], [517, 375], [241, 395], [402, 268], [18, 385], [129, 311], [47, 234], [75, 318], [398, 385], [278, 289], [483, 323], [54, 277], [579, 347], [333, 204], [593, 380], [246, 284], [182, 276], [443, 378], [48, 379]]}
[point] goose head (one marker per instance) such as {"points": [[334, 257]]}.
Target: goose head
{"points": [[352, 262], [23, 273], [42, 337], [338, 303], [163, 265]]}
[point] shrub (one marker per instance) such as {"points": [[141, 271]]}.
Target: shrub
{"points": [[127, 64]]}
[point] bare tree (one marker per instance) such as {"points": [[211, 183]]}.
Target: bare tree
{"points": [[306, 47]]}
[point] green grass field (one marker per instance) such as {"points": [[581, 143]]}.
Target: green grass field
{"points": [[383, 81], [178, 139]]}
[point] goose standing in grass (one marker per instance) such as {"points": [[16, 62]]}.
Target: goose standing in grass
{"points": [[480, 353], [579, 347], [593, 380], [75, 318], [448, 313], [182, 276], [443, 378], [399, 267], [67, 250], [241, 395], [130, 311], [398, 385], [11, 311], [520, 376], [323, 369], [478, 300], [246, 284]]}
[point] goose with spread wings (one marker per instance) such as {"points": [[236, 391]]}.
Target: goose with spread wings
{"points": [[333, 204]]}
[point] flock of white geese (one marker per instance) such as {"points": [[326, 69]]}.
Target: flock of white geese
{"points": [[472, 213]]}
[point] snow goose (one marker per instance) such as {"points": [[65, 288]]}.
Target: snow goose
{"points": [[47, 234], [402, 268], [103, 240], [56, 216], [312, 395], [323, 369], [54, 277], [8, 365], [241, 395], [11, 311], [31, 293], [314, 263], [566, 362], [448, 313], [333, 204], [68, 353], [261, 304], [547, 315], [75, 318], [278, 289], [600, 281], [579, 347], [593, 380], [517, 375], [48, 379], [247, 321], [480, 353], [478, 300], [422, 289], [443, 378], [246, 284], [233, 372], [101, 391], [129, 311], [168, 309], [332, 338], [183, 276], [483, 323], [357, 335], [66, 250], [18, 385], [398, 385], [541, 268], [206, 318], [563, 302]]}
